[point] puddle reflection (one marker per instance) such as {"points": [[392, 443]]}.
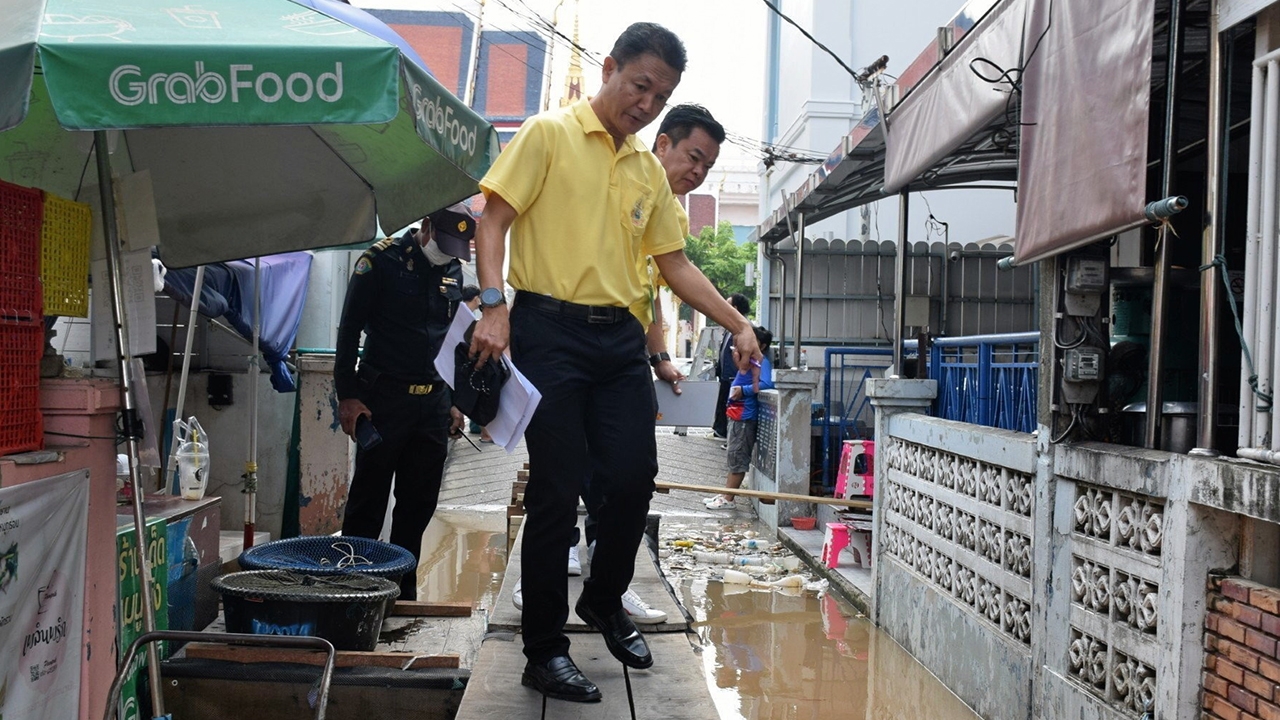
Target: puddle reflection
{"points": [[463, 556], [773, 654]]}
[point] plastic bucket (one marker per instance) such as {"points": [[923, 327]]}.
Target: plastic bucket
{"points": [[346, 610]]}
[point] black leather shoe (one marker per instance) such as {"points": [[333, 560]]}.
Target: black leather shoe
{"points": [[620, 635], [560, 679]]}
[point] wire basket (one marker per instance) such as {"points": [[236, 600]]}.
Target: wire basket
{"points": [[64, 256], [329, 555], [21, 425], [20, 211]]}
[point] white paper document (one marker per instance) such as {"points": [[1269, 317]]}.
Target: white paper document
{"points": [[518, 400]]}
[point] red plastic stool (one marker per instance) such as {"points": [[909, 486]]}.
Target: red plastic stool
{"points": [[855, 474], [837, 539]]}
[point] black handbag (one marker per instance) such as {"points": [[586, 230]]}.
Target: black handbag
{"points": [[476, 390]]}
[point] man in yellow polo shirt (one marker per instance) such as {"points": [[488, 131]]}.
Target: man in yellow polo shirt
{"points": [[584, 201]]}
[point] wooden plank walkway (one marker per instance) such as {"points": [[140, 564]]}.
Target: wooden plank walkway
{"points": [[648, 584], [673, 688]]}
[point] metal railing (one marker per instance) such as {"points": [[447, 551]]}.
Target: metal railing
{"points": [[987, 380], [847, 412]]}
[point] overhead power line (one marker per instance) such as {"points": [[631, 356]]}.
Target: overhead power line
{"points": [[811, 38]]}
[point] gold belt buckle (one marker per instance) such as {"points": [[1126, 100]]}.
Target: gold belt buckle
{"points": [[419, 389]]}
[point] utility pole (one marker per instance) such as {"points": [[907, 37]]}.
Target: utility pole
{"points": [[551, 54], [469, 92]]}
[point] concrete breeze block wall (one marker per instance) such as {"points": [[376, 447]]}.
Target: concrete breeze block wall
{"points": [[1242, 651]]}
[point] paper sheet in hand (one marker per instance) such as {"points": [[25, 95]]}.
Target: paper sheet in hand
{"points": [[695, 406], [519, 397]]}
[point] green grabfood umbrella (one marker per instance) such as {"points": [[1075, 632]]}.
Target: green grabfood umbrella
{"points": [[266, 126]]}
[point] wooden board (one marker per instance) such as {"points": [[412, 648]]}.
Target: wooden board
{"points": [[764, 495], [343, 659], [648, 583], [413, 608], [673, 689]]}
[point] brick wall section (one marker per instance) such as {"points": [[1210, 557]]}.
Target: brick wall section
{"points": [[1242, 651]]}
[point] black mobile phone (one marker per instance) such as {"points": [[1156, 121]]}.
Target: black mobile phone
{"points": [[366, 434]]}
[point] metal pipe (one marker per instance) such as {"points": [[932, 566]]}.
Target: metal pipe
{"points": [[900, 284], [798, 325], [1260, 455], [251, 466], [944, 284], [110, 232], [1207, 430], [782, 303], [1264, 330], [1248, 406], [1163, 263], [303, 642], [186, 372]]}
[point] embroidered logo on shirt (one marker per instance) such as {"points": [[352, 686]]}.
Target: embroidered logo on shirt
{"points": [[363, 265], [637, 214]]}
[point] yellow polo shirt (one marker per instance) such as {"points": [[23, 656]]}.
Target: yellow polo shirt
{"points": [[586, 213], [652, 277]]}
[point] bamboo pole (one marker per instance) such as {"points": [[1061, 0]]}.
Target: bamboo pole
{"points": [[765, 495]]}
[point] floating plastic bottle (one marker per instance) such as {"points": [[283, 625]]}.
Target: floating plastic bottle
{"points": [[735, 577]]}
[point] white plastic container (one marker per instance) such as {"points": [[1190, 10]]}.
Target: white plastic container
{"points": [[193, 460], [193, 470]]}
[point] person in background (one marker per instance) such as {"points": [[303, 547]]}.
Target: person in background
{"points": [[402, 296], [585, 202], [742, 411], [725, 369]]}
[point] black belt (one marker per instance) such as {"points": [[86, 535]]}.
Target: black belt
{"points": [[595, 314], [382, 381]]}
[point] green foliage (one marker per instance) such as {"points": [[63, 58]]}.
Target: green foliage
{"points": [[722, 259]]}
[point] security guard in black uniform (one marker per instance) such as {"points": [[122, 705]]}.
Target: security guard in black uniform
{"points": [[402, 296]]}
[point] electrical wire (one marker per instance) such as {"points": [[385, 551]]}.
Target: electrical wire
{"points": [[1003, 138], [545, 72], [1071, 426], [811, 38], [565, 39]]}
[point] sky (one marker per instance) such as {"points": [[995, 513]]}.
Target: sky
{"points": [[725, 40]]}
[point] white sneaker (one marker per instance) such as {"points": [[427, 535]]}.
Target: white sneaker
{"points": [[517, 597], [639, 610], [717, 502], [575, 565]]}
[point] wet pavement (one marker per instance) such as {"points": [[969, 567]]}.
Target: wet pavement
{"points": [[771, 641]]}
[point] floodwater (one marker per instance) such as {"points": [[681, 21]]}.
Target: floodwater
{"points": [[464, 554], [776, 653], [793, 655]]}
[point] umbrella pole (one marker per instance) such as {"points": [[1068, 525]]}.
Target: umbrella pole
{"points": [[172, 460], [132, 428], [251, 467]]}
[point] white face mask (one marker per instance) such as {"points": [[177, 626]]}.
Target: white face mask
{"points": [[435, 255]]}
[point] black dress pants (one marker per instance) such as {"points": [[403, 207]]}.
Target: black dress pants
{"points": [[415, 443], [597, 412]]}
